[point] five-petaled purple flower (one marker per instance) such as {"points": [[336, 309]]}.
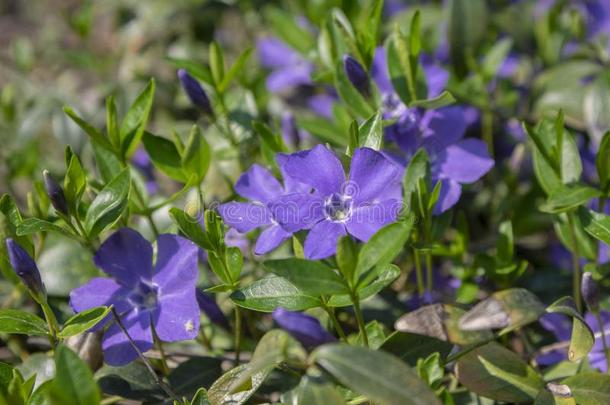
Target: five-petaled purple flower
{"points": [[288, 68], [304, 328], [336, 207], [144, 296], [453, 160], [261, 188]]}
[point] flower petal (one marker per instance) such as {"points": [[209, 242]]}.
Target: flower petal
{"points": [[465, 162], [258, 184], [274, 53], [317, 167], [322, 239], [126, 256], [244, 217], [372, 176], [436, 78], [288, 77], [443, 127], [368, 219], [177, 316], [291, 185], [97, 292], [448, 197], [270, 238], [117, 348], [176, 267], [297, 211]]}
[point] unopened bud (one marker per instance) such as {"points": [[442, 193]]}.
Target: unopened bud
{"points": [[195, 92], [55, 193], [304, 328], [26, 269], [357, 75], [590, 291], [210, 308]]}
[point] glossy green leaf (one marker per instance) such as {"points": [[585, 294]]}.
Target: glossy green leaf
{"points": [[271, 292], [596, 224], [370, 132], [567, 198], [237, 67], [316, 391], [75, 182], [359, 369], [442, 100], [409, 347], [164, 156], [35, 225], [134, 122], [495, 372], [73, 383], [602, 163], [109, 204], [589, 388], [222, 392], [347, 256], [582, 338], [217, 62], [311, 277], [375, 281], [83, 321], [196, 157], [95, 135], [190, 227], [21, 322]]}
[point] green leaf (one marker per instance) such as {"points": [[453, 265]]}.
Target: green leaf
{"points": [[467, 27], [196, 69], [193, 373], [316, 391], [273, 141], [495, 56], [112, 126], [164, 156], [132, 381], [35, 225], [370, 133], [83, 321], [235, 262], [350, 95], [323, 129], [75, 181], [589, 388], [347, 256], [73, 383], [287, 29], [217, 63], [442, 100], [201, 398], [495, 372], [196, 157], [222, 392], [567, 198], [417, 171], [109, 204], [602, 163], [582, 339], [384, 245], [505, 244], [134, 122], [20, 322], [375, 281], [409, 347], [190, 227], [271, 292], [95, 135], [596, 224], [107, 163], [377, 375], [237, 67], [310, 277]]}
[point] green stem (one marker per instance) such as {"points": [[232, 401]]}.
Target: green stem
{"points": [[487, 129], [159, 344], [575, 264], [51, 323], [335, 322], [147, 212], [359, 318], [418, 273], [428, 272], [237, 334], [602, 329]]}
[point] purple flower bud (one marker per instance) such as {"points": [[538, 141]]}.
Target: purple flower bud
{"points": [[55, 193], [357, 75], [290, 132], [590, 292], [304, 328], [211, 309], [26, 269], [195, 92]]}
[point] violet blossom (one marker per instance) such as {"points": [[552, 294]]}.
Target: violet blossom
{"points": [[336, 207], [145, 296], [304, 328], [260, 187], [288, 68], [453, 160]]}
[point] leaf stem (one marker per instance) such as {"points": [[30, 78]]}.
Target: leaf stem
{"points": [[359, 318], [335, 322], [237, 334], [52, 324], [600, 323], [418, 273], [575, 263]]}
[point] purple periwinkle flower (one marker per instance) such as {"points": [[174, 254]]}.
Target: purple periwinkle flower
{"points": [[26, 269], [145, 296], [195, 92], [288, 68], [453, 160], [261, 188], [304, 328], [357, 75], [336, 207], [208, 305], [55, 193]]}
